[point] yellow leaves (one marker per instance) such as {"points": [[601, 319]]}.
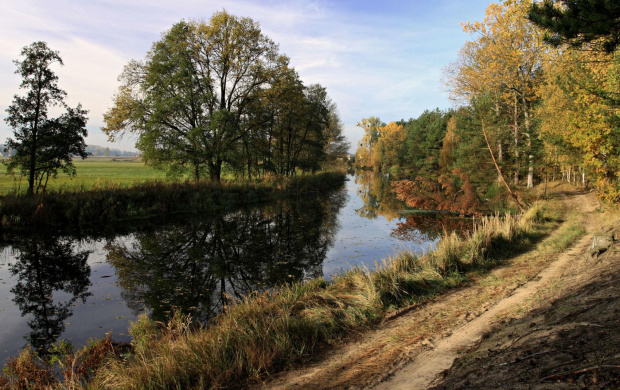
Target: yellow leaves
{"points": [[392, 133], [446, 157], [574, 111], [119, 117], [391, 139], [364, 154], [502, 59], [380, 144], [474, 27]]}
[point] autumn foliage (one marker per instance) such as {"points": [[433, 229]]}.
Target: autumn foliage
{"points": [[529, 113], [451, 194]]}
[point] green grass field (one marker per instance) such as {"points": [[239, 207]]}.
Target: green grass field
{"points": [[91, 173]]}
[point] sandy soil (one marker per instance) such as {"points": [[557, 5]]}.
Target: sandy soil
{"points": [[570, 341], [412, 348]]}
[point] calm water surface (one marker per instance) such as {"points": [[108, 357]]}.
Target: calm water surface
{"points": [[62, 287]]}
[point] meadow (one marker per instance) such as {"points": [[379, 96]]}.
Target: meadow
{"points": [[92, 173]]}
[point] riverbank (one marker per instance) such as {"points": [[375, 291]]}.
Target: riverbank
{"points": [[445, 327], [567, 333], [116, 203], [268, 332]]}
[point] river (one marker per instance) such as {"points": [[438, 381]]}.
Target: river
{"points": [[55, 287]]}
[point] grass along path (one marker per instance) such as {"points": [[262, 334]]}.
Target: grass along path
{"points": [[569, 336], [268, 332], [421, 372], [372, 358]]}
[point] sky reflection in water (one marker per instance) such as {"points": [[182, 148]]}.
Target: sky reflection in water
{"points": [[54, 288]]}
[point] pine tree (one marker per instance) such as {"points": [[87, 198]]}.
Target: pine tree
{"points": [[579, 22]]}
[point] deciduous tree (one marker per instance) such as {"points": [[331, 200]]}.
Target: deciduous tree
{"points": [[504, 62], [188, 101], [43, 145], [364, 153], [578, 119], [219, 94], [389, 146]]}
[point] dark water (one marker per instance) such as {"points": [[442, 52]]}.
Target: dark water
{"points": [[55, 287]]}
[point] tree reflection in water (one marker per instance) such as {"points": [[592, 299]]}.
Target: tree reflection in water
{"points": [[46, 266], [199, 265], [429, 227], [379, 199], [377, 196]]}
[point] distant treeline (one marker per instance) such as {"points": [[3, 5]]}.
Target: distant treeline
{"points": [[443, 163], [92, 150], [95, 150]]}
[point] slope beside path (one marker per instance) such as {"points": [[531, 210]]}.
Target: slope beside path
{"points": [[422, 371], [570, 341], [412, 347]]}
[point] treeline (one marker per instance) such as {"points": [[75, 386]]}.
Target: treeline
{"points": [[218, 96], [441, 161], [95, 150], [403, 147], [535, 105]]}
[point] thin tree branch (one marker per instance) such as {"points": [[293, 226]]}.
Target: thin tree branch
{"points": [[499, 171]]}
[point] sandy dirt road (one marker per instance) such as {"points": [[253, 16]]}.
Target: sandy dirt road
{"points": [[425, 368], [411, 348]]}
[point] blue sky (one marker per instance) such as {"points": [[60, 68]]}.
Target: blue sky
{"points": [[376, 58]]}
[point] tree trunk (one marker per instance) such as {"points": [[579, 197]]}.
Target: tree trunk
{"points": [[196, 173], [33, 148], [546, 180], [215, 170], [583, 178], [33, 163], [500, 158], [528, 131], [499, 170], [530, 172], [516, 140]]}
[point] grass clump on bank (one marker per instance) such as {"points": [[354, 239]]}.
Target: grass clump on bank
{"points": [[115, 203], [267, 332]]}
